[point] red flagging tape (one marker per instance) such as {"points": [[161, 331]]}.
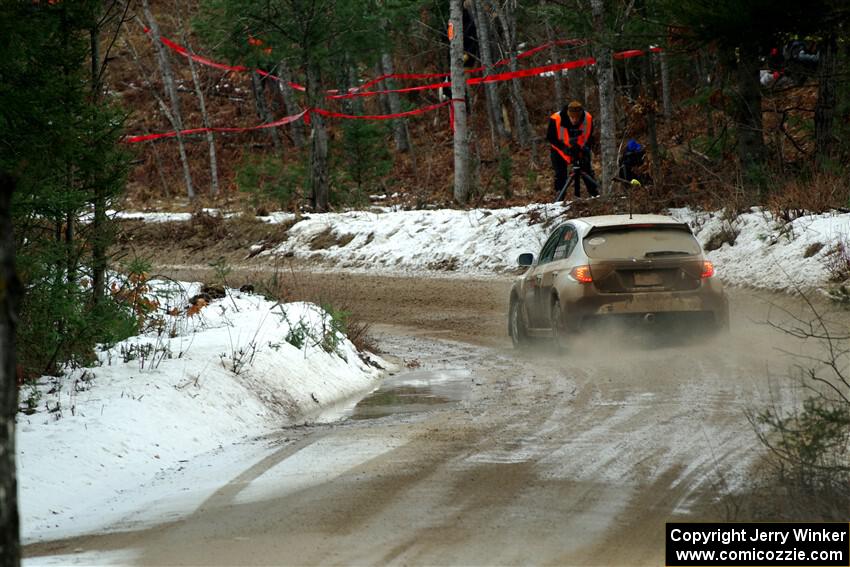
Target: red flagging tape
{"points": [[357, 91], [177, 48], [452, 101], [361, 91], [539, 48], [534, 71], [286, 120], [275, 124]]}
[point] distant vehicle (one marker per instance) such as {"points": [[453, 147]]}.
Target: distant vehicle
{"points": [[640, 270]]}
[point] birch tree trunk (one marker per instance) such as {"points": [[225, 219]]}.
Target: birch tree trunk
{"points": [[666, 96], [458, 104], [205, 117], [171, 92], [318, 145], [400, 131], [825, 106], [491, 90], [286, 91], [605, 77], [263, 108], [10, 293]]}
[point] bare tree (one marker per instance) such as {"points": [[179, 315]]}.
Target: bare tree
{"points": [[175, 116], [383, 99], [355, 105], [263, 111], [746, 106], [553, 55], [400, 132], [491, 90], [825, 107], [10, 292], [202, 103], [461, 133], [286, 91], [577, 79], [666, 96], [319, 144], [650, 105], [605, 77], [507, 19]]}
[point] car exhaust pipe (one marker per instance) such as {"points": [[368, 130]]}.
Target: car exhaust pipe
{"points": [[649, 318]]}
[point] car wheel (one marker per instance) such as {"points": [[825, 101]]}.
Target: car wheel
{"points": [[517, 328], [556, 320]]}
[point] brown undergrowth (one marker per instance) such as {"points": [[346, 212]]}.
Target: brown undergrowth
{"points": [[283, 284]]}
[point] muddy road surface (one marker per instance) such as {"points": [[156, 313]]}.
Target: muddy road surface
{"points": [[476, 454]]}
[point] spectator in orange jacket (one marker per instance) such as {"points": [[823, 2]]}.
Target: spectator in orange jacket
{"points": [[570, 135]]}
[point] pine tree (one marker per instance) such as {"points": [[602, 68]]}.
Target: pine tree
{"points": [[63, 150]]}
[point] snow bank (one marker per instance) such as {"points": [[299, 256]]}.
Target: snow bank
{"points": [[480, 240], [767, 253], [240, 367], [153, 217]]}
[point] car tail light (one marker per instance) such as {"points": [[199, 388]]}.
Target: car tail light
{"points": [[707, 269], [581, 274]]}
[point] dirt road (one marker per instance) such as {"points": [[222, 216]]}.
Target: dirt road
{"points": [[478, 455]]}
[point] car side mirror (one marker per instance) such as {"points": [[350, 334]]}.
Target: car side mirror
{"points": [[526, 259]]}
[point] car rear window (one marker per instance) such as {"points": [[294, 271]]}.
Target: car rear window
{"points": [[640, 242]]}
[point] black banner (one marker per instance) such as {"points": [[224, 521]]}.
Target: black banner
{"points": [[804, 544]]}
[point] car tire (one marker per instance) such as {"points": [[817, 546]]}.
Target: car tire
{"points": [[516, 326], [556, 320]]}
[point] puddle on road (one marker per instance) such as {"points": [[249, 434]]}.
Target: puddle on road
{"points": [[415, 391]]}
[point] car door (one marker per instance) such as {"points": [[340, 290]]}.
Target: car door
{"points": [[559, 263], [534, 279]]}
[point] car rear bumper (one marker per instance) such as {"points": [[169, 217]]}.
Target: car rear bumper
{"points": [[704, 306]]}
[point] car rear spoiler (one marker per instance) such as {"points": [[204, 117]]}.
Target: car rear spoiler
{"points": [[661, 225]]}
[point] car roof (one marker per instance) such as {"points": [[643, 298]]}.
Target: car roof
{"points": [[625, 220]]}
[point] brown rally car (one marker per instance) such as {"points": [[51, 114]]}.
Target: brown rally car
{"points": [[628, 269]]}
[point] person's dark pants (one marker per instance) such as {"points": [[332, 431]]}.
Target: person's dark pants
{"points": [[563, 170]]}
